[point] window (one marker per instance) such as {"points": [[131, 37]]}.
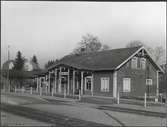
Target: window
{"points": [[126, 85], [143, 63], [134, 62], [88, 83], [105, 84], [149, 82]]}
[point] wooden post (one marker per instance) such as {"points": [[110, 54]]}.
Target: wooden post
{"points": [[115, 84], [52, 91], [68, 85], [79, 95], [55, 80], [40, 87], [118, 97], [64, 92], [40, 91], [92, 84], [30, 90], [60, 80], [9, 85], [37, 85], [46, 89], [49, 83], [46, 84], [145, 100], [157, 90], [82, 83], [73, 89]]}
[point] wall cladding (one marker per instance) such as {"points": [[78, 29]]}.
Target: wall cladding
{"points": [[97, 83], [138, 80]]}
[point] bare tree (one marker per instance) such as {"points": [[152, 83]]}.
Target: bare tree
{"points": [[135, 43], [158, 54], [89, 43], [105, 47]]}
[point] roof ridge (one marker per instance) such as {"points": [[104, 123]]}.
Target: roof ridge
{"points": [[88, 53]]}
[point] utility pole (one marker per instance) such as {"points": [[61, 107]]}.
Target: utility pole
{"points": [[8, 83]]}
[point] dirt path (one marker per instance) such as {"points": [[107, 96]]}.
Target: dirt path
{"points": [[50, 118], [8, 119]]}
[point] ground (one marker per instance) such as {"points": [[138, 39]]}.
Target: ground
{"points": [[8, 119], [82, 114]]}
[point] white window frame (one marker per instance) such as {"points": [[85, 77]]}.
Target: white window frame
{"points": [[126, 87], [141, 63], [105, 84], [134, 62], [149, 82]]}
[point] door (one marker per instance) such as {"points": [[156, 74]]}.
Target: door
{"points": [[88, 83]]}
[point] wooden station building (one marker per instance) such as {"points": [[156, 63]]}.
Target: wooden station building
{"points": [[129, 71]]}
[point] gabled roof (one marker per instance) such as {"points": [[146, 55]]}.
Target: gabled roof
{"points": [[41, 72], [98, 61]]}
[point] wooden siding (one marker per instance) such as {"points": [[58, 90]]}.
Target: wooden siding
{"points": [[138, 80], [97, 83]]}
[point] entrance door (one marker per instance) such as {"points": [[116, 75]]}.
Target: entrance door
{"points": [[88, 83]]}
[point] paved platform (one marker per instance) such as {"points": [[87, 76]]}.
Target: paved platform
{"points": [[106, 103]]}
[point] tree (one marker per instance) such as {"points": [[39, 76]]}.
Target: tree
{"points": [[16, 74], [134, 43], [50, 63], [105, 47], [19, 62], [89, 43], [158, 53], [34, 59]]}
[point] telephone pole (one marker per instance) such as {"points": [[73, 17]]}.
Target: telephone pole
{"points": [[8, 68]]}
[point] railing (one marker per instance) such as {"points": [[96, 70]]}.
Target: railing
{"points": [[32, 91]]}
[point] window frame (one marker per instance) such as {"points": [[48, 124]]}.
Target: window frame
{"points": [[150, 83], [125, 89], [141, 63], [105, 87], [134, 62]]}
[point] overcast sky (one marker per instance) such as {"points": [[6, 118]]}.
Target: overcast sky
{"points": [[51, 30]]}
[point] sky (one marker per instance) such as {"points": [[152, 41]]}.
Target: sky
{"points": [[51, 29]]}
